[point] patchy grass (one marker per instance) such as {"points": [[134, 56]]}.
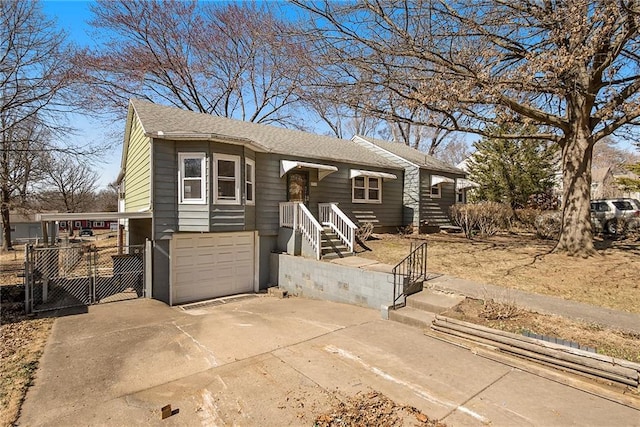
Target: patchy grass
{"points": [[524, 262]]}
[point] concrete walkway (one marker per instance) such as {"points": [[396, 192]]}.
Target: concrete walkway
{"points": [[274, 362]]}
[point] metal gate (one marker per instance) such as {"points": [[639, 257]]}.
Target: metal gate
{"points": [[77, 275]]}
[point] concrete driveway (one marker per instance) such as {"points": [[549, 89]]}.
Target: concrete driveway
{"points": [[267, 361]]}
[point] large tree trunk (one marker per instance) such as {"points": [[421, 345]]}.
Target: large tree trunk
{"points": [[576, 237]]}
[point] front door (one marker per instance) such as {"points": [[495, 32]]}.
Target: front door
{"points": [[298, 187]]}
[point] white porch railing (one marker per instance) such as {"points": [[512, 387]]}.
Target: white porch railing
{"points": [[297, 216], [339, 222]]}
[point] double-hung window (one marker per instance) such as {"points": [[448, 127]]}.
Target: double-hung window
{"points": [[192, 178], [226, 179], [249, 180], [366, 189]]}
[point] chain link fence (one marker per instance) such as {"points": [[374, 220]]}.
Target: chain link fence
{"points": [[75, 275]]}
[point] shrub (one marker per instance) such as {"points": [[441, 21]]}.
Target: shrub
{"points": [[486, 217], [526, 218], [548, 225], [364, 231]]}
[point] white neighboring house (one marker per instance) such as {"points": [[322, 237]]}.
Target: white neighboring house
{"points": [[464, 186], [604, 186]]}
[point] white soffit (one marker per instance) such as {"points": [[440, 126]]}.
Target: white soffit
{"points": [[438, 179], [357, 172], [323, 170], [462, 183]]}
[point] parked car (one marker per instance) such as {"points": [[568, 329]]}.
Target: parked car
{"points": [[608, 214], [86, 232]]}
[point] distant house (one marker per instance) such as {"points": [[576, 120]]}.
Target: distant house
{"points": [[431, 186], [84, 223], [603, 183], [25, 228], [622, 172]]}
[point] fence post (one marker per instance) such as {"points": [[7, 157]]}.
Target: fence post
{"points": [[147, 268], [27, 306]]}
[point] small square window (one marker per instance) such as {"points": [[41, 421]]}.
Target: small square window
{"points": [[366, 190], [435, 191]]}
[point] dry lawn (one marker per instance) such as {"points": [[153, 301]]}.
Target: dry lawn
{"points": [[606, 341], [611, 279], [23, 340]]}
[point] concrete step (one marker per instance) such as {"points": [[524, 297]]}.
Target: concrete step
{"points": [[335, 255], [433, 301], [412, 317]]}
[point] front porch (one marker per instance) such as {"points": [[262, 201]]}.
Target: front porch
{"points": [[332, 235]]}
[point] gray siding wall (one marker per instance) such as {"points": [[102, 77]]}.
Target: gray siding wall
{"points": [[171, 217], [272, 189], [165, 189], [435, 211], [194, 217], [337, 187], [161, 271]]}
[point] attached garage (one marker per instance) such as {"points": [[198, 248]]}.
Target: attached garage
{"points": [[211, 265]]}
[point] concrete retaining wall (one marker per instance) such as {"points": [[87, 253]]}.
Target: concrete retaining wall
{"points": [[323, 280]]}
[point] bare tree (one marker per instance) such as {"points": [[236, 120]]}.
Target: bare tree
{"points": [[608, 154], [106, 200], [570, 68], [69, 186], [453, 151], [229, 60], [36, 74], [21, 164]]}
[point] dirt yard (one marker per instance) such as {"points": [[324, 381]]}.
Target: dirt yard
{"points": [[611, 279]]}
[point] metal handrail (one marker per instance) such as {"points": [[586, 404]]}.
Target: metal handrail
{"points": [[338, 221], [409, 274]]}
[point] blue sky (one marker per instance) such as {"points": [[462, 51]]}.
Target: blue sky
{"points": [[73, 17]]}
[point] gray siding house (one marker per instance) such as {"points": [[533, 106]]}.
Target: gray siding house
{"points": [[430, 185], [26, 229], [224, 194]]}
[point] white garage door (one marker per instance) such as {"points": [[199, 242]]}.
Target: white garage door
{"points": [[211, 265]]}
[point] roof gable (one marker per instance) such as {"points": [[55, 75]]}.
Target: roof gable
{"points": [[162, 122]]}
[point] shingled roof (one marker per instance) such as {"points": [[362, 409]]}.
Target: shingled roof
{"points": [[414, 156], [172, 123]]}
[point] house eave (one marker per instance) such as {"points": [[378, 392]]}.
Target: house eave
{"points": [[209, 137]]}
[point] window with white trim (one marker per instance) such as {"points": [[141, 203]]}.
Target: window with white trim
{"points": [[460, 196], [98, 224], [366, 189], [249, 181], [226, 177], [78, 224], [436, 191], [192, 178]]}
